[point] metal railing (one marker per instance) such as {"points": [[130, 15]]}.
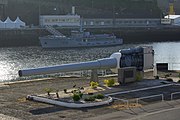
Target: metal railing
{"points": [[172, 94], [140, 98], [152, 96]]}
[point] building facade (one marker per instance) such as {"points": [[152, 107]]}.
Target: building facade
{"points": [[60, 20], [132, 22], [75, 21]]}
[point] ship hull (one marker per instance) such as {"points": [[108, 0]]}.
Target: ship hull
{"points": [[55, 42]]}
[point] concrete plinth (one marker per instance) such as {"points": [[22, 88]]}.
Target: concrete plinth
{"points": [[126, 75]]}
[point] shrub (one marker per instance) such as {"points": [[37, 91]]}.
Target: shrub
{"points": [[76, 97], [99, 96], [48, 90], [169, 80], [94, 84], [57, 93], [167, 75], [90, 93], [139, 76], [156, 77], [109, 82], [81, 88], [178, 81], [65, 91], [90, 99]]}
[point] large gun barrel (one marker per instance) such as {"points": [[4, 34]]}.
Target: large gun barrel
{"points": [[141, 57], [98, 64]]}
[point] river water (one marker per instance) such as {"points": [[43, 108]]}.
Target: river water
{"points": [[15, 58]]}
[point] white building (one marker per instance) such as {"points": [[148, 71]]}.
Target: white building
{"points": [[2, 25], [19, 23], [60, 20], [9, 23], [175, 19]]}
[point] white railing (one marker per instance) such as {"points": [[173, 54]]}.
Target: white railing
{"points": [[152, 96], [175, 93]]}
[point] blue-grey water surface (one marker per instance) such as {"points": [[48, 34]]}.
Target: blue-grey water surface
{"points": [[16, 58]]}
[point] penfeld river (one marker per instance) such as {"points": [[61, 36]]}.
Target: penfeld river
{"points": [[13, 59]]}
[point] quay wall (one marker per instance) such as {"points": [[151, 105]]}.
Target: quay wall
{"points": [[30, 37]]}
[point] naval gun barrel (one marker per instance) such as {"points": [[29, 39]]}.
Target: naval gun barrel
{"points": [[97, 64], [140, 57]]}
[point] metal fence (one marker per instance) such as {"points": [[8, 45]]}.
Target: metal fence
{"points": [[151, 96], [173, 94]]}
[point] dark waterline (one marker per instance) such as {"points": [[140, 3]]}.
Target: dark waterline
{"points": [[16, 58]]}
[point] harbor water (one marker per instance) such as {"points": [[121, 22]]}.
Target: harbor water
{"points": [[13, 59]]}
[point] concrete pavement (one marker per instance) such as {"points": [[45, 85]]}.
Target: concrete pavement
{"points": [[168, 110]]}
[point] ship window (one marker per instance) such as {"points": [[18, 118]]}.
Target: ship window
{"points": [[45, 43]]}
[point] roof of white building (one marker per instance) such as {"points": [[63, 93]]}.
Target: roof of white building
{"points": [[8, 20]]}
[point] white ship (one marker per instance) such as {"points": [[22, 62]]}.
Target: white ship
{"points": [[78, 39]]}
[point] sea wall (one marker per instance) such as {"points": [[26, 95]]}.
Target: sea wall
{"points": [[29, 37], [19, 37]]}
